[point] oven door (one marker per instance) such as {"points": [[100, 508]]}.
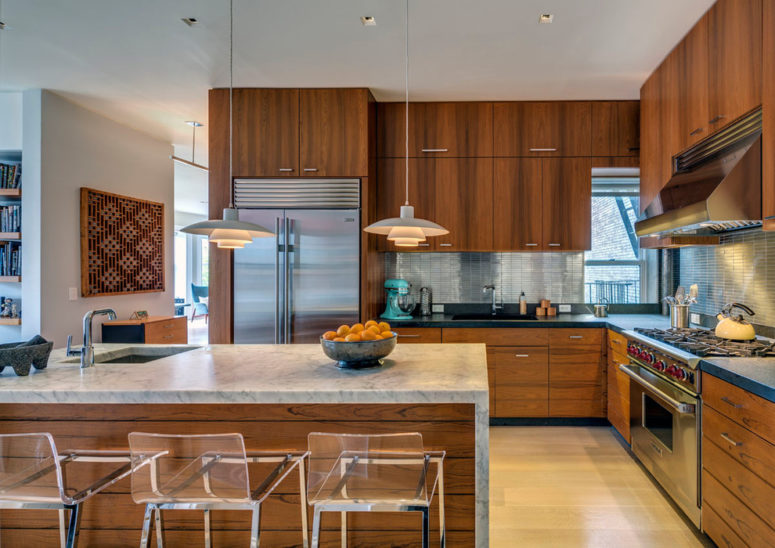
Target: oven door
{"points": [[664, 426]]}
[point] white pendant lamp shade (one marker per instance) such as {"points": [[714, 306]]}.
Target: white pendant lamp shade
{"points": [[229, 232]]}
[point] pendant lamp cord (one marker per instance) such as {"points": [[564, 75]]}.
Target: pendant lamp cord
{"points": [[231, 93], [406, 98]]}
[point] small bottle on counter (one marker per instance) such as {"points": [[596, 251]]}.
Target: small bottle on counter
{"points": [[522, 303]]}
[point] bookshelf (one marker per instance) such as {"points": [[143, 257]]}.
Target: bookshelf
{"points": [[11, 239]]}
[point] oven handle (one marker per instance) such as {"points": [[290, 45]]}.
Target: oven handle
{"points": [[680, 407]]}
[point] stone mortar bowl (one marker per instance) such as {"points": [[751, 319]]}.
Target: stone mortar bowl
{"points": [[358, 355]]}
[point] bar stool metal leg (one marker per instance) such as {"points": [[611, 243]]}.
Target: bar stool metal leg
{"points": [[344, 529], [72, 528], [159, 529], [255, 529], [145, 537], [208, 534], [316, 528], [442, 520], [62, 528], [304, 517], [425, 529]]}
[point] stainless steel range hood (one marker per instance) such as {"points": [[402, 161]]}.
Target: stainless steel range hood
{"points": [[717, 185]]}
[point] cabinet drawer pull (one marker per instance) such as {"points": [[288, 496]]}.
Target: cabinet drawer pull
{"points": [[445, 245], [716, 119], [423, 245], [730, 402], [168, 325], [554, 245], [168, 336], [531, 245], [435, 150], [616, 341], [409, 336], [521, 355], [726, 437], [543, 150], [310, 169], [285, 169], [576, 336]]}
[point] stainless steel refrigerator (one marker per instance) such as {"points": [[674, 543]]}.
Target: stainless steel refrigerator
{"points": [[305, 280]]}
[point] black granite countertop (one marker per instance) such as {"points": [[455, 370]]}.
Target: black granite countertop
{"points": [[757, 375]]}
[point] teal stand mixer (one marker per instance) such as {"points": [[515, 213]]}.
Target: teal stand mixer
{"points": [[400, 302]]}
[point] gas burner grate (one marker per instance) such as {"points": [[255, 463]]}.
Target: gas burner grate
{"points": [[704, 343]]}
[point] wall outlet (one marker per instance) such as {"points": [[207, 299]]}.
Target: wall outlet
{"points": [[694, 318], [73, 293], [437, 308], [563, 308]]}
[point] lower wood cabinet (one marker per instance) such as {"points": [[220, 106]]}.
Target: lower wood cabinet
{"points": [[576, 372], [521, 381], [618, 385], [738, 465], [414, 335]]}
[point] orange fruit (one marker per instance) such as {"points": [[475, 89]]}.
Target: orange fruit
{"points": [[343, 330], [370, 323], [374, 329], [339, 339], [329, 335], [386, 334], [369, 335], [384, 326], [357, 328], [353, 337]]}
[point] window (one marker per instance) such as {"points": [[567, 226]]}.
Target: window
{"points": [[204, 264], [613, 268], [180, 265]]}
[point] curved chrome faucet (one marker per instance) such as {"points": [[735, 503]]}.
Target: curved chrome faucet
{"points": [[87, 350], [495, 305]]}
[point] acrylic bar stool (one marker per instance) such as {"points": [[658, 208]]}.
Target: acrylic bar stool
{"points": [[373, 473], [206, 472], [33, 476]]}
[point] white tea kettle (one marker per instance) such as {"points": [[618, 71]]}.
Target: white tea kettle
{"points": [[734, 326]]}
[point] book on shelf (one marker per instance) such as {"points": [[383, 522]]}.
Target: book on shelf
{"points": [[10, 174], [11, 218], [11, 259]]}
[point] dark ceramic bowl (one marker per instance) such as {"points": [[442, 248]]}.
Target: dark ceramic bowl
{"points": [[358, 355]]}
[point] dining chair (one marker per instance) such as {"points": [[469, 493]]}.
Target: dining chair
{"points": [[373, 473], [34, 476], [206, 472]]}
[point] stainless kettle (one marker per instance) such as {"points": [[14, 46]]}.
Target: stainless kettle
{"points": [[733, 326], [601, 308]]}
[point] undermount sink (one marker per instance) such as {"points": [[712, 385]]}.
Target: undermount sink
{"points": [[495, 317], [136, 354]]}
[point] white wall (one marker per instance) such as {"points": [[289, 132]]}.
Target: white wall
{"points": [[82, 149], [11, 121]]}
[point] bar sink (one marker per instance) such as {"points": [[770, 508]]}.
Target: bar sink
{"points": [[137, 354]]}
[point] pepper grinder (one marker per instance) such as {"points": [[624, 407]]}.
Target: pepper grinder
{"points": [[426, 301]]}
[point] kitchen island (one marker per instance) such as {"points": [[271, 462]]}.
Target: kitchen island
{"points": [[274, 395]]}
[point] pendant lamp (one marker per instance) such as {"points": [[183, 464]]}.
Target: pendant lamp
{"points": [[406, 230], [229, 232]]}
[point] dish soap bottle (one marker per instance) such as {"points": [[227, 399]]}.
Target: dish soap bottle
{"points": [[522, 304]]}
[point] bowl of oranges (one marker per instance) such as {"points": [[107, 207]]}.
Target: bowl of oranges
{"points": [[360, 345]]}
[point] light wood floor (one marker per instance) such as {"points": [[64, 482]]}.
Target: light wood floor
{"points": [[575, 486]]}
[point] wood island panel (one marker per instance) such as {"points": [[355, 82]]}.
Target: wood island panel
{"points": [[113, 519]]}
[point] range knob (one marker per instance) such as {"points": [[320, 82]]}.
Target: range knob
{"points": [[671, 370], [660, 365]]}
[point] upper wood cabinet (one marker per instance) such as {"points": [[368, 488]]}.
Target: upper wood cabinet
{"points": [[735, 53], [518, 210], [694, 86], [266, 132], [334, 132], [461, 129], [768, 121], [567, 204], [650, 149], [615, 128], [554, 128]]}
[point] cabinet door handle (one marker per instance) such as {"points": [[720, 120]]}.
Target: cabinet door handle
{"points": [[435, 150], [423, 245], [521, 355], [554, 245], [168, 336], [531, 245], [616, 341], [730, 402], [576, 336], [310, 169], [696, 131], [726, 437], [408, 336], [286, 169], [543, 150], [716, 119], [445, 245]]}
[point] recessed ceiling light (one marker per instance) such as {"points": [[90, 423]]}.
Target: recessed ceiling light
{"points": [[190, 21], [368, 21], [546, 18], [194, 123]]}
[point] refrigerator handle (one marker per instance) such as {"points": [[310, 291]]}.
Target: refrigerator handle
{"points": [[277, 281], [287, 282]]}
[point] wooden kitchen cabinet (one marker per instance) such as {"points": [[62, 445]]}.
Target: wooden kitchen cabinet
{"points": [[521, 381], [576, 373], [618, 385], [567, 204], [694, 86], [418, 335], [518, 210], [551, 128], [615, 128], [266, 132], [459, 129], [768, 117], [464, 202], [333, 132], [650, 147], [735, 54]]}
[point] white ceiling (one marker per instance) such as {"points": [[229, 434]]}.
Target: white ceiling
{"points": [[137, 63]]}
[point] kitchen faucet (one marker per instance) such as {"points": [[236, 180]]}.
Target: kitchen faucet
{"points": [[87, 350], [495, 307]]}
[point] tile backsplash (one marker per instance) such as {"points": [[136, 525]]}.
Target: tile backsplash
{"points": [[741, 269], [459, 277]]}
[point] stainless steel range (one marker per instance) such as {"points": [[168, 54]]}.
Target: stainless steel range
{"points": [[665, 413]]}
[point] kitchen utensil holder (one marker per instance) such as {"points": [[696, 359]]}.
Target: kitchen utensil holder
{"points": [[679, 316]]}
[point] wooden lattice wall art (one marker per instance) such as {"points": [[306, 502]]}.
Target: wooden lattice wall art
{"points": [[122, 244]]}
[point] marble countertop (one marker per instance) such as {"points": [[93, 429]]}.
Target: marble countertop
{"points": [[432, 373]]}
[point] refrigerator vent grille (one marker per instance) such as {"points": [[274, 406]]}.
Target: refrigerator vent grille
{"points": [[295, 193]]}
